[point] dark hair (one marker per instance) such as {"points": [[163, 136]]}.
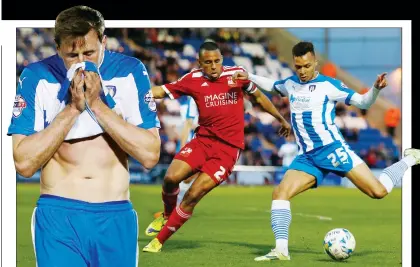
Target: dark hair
{"points": [[209, 46], [302, 48], [77, 21]]}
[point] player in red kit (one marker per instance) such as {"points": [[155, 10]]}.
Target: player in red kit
{"points": [[218, 141]]}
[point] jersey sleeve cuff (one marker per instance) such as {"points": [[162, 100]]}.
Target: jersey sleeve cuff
{"points": [[171, 96], [149, 125], [19, 130]]}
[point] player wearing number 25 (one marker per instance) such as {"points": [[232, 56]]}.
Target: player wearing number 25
{"points": [[322, 148]]}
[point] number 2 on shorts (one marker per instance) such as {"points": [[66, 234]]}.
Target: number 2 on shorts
{"points": [[220, 173]]}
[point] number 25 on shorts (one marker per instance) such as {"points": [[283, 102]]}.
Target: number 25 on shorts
{"points": [[342, 155], [220, 173]]}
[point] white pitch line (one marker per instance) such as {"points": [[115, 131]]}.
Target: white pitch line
{"points": [[320, 217]]}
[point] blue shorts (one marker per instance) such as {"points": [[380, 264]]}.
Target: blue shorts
{"points": [[73, 233], [335, 157]]}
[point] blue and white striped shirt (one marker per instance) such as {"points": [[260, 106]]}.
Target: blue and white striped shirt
{"points": [[312, 107], [40, 95]]}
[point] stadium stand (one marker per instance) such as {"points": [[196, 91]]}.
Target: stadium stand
{"points": [[170, 53]]}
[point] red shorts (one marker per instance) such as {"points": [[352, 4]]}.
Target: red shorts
{"points": [[211, 156]]}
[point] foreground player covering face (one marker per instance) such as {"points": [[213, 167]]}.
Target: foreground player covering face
{"points": [[218, 141], [322, 148], [80, 134]]}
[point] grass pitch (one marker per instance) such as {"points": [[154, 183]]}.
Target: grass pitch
{"points": [[231, 226]]}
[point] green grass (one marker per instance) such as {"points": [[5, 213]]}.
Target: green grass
{"points": [[231, 226]]}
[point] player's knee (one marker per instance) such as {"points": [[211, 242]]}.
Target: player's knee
{"points": [[280, 194], [378, 192], [171, 177]]}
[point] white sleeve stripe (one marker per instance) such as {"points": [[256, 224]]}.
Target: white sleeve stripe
{"points": [[230, 71], [167, 92], [251, 88]]}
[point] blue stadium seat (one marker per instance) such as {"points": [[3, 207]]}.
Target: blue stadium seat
{"points": [[194, 42], [387, 140], [228, 61], [189, 58], [127, 49], [280, 141], [381, 164], [256, 144], [266, 153], [247, 117], [369, 134]]}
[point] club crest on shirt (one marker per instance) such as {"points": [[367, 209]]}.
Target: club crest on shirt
{"points": [[18, 106], [312, 87], [112, 90], [230, 82], [149, 100]]}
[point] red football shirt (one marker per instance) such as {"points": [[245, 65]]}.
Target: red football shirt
{"points": [[220, 103]]}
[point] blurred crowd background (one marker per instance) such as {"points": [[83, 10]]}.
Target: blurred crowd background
{"points": [[169, 53]]}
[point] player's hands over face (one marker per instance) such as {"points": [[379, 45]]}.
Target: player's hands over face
{"points": [[240, 75], [93, 87], [381, 81], [285, 129], [76, 90]]}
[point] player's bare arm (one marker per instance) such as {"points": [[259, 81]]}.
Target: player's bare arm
{"points": [[366, 100], [268, 106], [30, 153], [158, 92], [141, 144]]}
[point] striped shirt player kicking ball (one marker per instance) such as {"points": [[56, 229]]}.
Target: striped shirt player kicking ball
{"points": [[322, 148], [218, 140]]}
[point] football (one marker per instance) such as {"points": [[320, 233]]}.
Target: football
{"points": [[339, 244]]}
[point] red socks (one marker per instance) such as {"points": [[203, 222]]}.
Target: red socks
{"points": [[169, 201], [175, 221]]}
